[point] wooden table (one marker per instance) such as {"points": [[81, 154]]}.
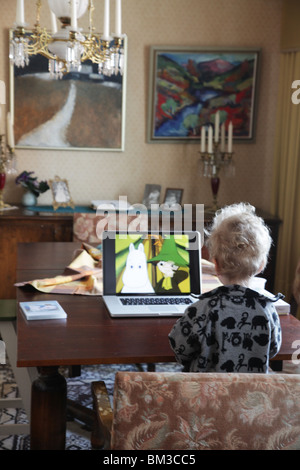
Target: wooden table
{"points": [[88, 336]]}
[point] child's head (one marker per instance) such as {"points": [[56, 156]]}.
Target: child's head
{"points": [[239, 243]]}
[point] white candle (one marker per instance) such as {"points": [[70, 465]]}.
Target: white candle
{"points": [[10, 132], [20, 16], [118, 27], [53, 22], [203, 139], [230, 137], [210, 139], [73, 15], [223, 137], [217, 124], [106, 21], [1, 130]]}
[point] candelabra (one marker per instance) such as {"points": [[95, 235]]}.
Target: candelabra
{"points": [[213, 161], [7, 166], [215, 158]]}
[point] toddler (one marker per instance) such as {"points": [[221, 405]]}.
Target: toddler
{"points": [[231, 328]]}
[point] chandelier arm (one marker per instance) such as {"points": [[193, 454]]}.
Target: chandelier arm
{"points": [[96, 50], [38, 43]]}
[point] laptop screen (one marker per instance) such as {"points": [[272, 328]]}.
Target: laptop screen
{"points": [[156, 263]]}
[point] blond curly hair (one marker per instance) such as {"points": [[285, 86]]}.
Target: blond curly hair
{"points": [[239, 241]]}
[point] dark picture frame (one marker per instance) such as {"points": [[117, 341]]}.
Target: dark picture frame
{"points": [[82, 111], [151, 195], [188, 85], [173, 196]]}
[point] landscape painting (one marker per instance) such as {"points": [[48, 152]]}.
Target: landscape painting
{"points": [[189, 85], [81, 111]]}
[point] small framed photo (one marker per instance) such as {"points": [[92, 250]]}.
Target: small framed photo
{"points": [[173, 196], [151, 195], [61, 193]]}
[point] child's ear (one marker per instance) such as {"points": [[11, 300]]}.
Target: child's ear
{"points": [[260, 268], [216, 265]]}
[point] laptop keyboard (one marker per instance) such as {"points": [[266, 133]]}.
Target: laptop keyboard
{"points": [[155, 300]]}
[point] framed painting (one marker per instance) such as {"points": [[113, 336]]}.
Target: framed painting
{"points": [[188, 85], [82, 111]]}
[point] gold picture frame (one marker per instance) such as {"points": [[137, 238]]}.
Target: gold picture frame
{"points": [[61, 193]]}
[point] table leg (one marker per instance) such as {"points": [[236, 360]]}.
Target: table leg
{"points": [[48, 410]]}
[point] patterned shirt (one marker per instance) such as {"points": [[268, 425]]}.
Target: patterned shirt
{"points": [[229, 329]]}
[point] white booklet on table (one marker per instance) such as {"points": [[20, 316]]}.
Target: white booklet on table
{"points": [[43, 310]]}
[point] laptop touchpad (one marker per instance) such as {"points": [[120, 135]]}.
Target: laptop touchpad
{"points": [[171, 309]]}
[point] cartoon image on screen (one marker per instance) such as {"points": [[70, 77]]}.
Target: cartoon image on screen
{"points": [[157, 264]]}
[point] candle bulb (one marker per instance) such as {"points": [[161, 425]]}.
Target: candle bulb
{"points": [[217, 124], [106, 21], [223, 137], [230, 137], [10, 132], [1, 133], [20, 15], [73, 15], [203, 139], [118, 28], [53, 22], [210, 139]]}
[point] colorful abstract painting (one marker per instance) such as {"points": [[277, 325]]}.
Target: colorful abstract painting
{"points": [[188, 86]]}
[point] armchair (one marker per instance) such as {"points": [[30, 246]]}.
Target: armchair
{"points": [[200, 411]]}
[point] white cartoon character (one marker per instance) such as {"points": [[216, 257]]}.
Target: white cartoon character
{"points": [[135, 277]]}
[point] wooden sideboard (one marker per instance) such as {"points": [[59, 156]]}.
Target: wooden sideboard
{"points": [[20, 225], [25, 226]]}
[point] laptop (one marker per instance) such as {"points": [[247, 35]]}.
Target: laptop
{"points": [[150, 274]]}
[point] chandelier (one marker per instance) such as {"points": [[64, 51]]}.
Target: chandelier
{"points": [[68, 47]]}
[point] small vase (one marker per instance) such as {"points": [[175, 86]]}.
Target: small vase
{"points": [[29, 199]]}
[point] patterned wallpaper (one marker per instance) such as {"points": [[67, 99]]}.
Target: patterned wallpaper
{"points": [[106, 175]]}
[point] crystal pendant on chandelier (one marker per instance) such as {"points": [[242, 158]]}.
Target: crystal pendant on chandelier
{"points": [[18, 51], [113, 63], [74, 52]]}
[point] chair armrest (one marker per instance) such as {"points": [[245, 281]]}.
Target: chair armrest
{"points": [[104, 414]]}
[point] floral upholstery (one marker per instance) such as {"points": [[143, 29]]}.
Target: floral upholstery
{"points": [[89, 227], [201, 411]]}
